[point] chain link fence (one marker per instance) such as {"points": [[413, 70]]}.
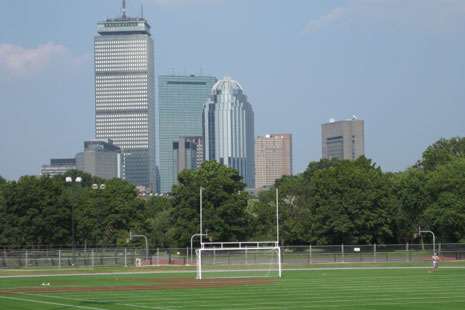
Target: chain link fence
{"points": [[291, 255]]}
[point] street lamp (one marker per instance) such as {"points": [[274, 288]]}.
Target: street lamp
{"points": [[97, 186], [70, 180], [192, 239], [201, 205], [434, 238], [132, 236]]}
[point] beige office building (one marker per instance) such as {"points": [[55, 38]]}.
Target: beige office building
{"points": [[273, 159], [343, 139]]}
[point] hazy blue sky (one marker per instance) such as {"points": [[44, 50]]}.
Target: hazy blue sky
{"points": [[397, 64]]}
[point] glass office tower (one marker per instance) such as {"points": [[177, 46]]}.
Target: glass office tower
{"points": [[181, 100], [228, 122], [125, 94]]}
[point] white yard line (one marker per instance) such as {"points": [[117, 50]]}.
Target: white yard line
{"points": [[50, 303], [80, 300]]}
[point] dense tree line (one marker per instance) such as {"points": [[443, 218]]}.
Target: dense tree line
{"points": [[331, 202]]}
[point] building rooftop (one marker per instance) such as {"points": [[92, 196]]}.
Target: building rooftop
{"points": [[124, 24]]}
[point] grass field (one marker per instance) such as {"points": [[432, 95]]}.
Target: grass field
{"points": [[307, 289]]}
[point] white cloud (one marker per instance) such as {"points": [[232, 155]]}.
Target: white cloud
{"points": [[418, 15], [333, 16], [20, 61]]}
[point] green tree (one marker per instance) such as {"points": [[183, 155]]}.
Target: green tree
{"points": [[34, 214], [353, 203], [224, 204], [295, 224], [4, 225], [442, 152], [157, 221], [413, 199], [105, 216], [446, 212]]}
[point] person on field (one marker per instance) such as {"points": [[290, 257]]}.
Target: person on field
{"points": [[435, 259]]}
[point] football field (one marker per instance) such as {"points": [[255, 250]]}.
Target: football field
{"points": [[407, 288]]}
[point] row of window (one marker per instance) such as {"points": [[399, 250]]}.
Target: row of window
{"points": [[121, 120], [118, 90], [119, 68]]}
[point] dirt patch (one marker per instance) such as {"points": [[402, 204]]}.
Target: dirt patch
{"points": [[161, 284]]}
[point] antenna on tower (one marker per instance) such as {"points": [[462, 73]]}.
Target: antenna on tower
{"points": [[142, 11], [123, 9]]}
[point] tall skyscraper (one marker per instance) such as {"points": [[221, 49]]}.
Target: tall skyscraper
{"points": [[273, 158], [125, 94], [181, 100], [228, 122], [343, 139]]}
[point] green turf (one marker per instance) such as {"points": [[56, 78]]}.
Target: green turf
{"points": [[321, 289]]}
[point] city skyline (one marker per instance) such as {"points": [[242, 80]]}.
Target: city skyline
{"points": [[319, 64]]}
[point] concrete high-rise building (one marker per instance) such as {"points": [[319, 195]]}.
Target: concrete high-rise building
{"points": [[228, 122], [125, 94], [187, 153], [58, 166], [273, 158], [181, 100], [100, 158], [343, 139]]}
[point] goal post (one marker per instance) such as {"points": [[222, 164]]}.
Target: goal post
{"points": [[238, 259], [249, 259]]}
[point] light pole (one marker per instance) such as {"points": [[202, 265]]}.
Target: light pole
{"points": [[132, 236], [70, 180], [192, 239], [201, 206], [434, 237]]}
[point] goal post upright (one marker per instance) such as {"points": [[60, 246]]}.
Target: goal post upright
{"points": [[199, 264], [209, 248], [277, 233], [277, 216]]}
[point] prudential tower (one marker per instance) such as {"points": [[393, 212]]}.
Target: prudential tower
{"points": [[228, 127], [125, 94]]}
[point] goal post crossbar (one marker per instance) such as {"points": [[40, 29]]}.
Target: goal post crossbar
{"points": [[239, 245]]}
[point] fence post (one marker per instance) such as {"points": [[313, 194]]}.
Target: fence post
{"points": [[59, 258], [342, 252], [407, 251], [439, 248], [186, 257], [158, 256], [125, 257], [310, 254], [92, 258], [374, 252], [5, 258], [26, 263]]}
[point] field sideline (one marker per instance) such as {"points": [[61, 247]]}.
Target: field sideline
{"points": [[349, 288]]}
